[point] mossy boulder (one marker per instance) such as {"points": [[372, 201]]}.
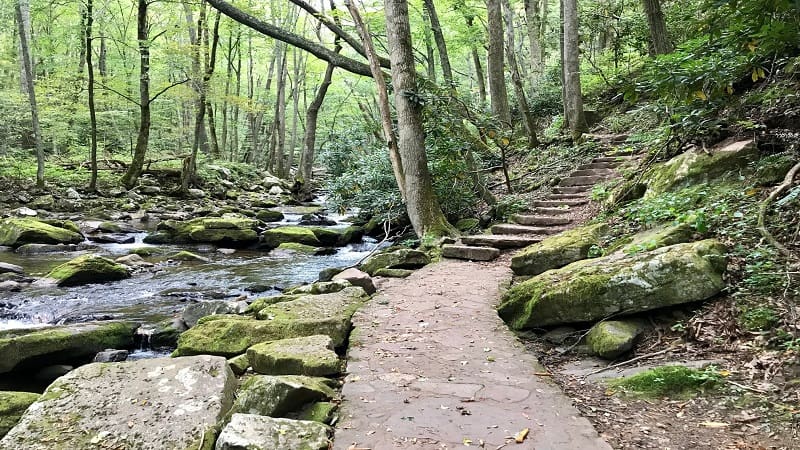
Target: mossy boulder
{"points": [[468, 224], [657, 237], [322, 412], [228, 231], [88, 269], [187, 256], [239, 364], [337, 237], [393, 273], [298, 248], [612, 338], [300, 235], [404, 258], [307, 315], [12, 406], [591, 290], [268, 215], [262, 302], [320, 287], [279, 395], [308, 355], [559, 250], [772, 169], [697, 166], [15, 232], [53, 345], [253, 432]]}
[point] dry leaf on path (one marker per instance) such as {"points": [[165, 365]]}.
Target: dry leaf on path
{"points": [[520, 437]]}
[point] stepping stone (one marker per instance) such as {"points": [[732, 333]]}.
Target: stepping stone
{"points": [[470, 253], [500, 241], [551, 211], [579, 196], [510, 228], [582, 181], [591, 172], [309, 355], [557, 203], [571, 189], [540, 220]]}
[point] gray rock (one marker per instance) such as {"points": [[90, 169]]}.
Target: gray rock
{"points": [[149, 190], [196, 193], [278, 395], [146, 404], [252, 432], [403, 258], [309, 355], [612, 338], [357, 278], [12, 406], [112, 238], [13, 268], [194, 312], [25, 212], [72, 194], [10, 286], [276, 190], [107, 356], [133, 260], [469, 253]]}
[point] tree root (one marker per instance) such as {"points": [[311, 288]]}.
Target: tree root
{"points": [[762, 212]]}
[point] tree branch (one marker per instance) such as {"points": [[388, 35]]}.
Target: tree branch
{"points": [[177, 83], [126, 97]]}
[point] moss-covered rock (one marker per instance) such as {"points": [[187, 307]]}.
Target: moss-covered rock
{"points": [[229, 231], [19, 231], [261, 302], [12, 406], [187, 256], [338, 237], [298, 248], [393, 273], [278, 395], [320, 287], [65, 224], [773, 168], [593, 289], [309, 355], [87, 269], [697, 166], [612, 338], [253, 432], [403, 258], [322, 412], [300, 235], [468, 224], [268, 215], [47, 346], [308, 315], [657, 237], [559, 250], [239, 364]]}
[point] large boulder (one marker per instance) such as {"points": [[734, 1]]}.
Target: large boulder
{"points": [[403, 258], [277, 396], [19, 231], [196, 311], [230, 335], [308, 355], [656, 237], [87, 269], [559, 250], [593, 289], [227, 231], [12, 406], [46, 346], [698, 166], [146, 404], [299, 235], [252, 432]]}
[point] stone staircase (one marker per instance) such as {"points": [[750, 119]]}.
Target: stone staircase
{"points": [[551, 215]]}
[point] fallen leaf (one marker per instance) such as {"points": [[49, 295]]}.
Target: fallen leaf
{"points": [[519, 438], [467, 441], [714, 424]]}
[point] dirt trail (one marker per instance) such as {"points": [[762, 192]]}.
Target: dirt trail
{"points": [[432, 366]]}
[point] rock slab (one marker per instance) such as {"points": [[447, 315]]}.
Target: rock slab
{"points": [[309, 355], [252, 432], [559, 250], [147, 404], [277, 396], [469, 253]]}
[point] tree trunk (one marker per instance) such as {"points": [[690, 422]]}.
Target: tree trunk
{"points": [[278, 156], [429, 55], [235, 120], [135, 169], [25, 57], [480, 78], [23, 16], [102, 57], [212, 125], [572, 70], [659, 37], [195, 39], [89, 20], [421, 202], [441, 46], [497, 82], [310, 137], [82, 51], [516, 77], [228, 70], [534, 22]]}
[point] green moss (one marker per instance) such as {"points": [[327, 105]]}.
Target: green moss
{"points": [[87, 269], [276, 236], [260, 303], [299, 248], [612, 338], [403, 258], [559, 250], [393, 273], [268, 215], [239, 364], [772, 169], [657, 237], [322, 412], [183, 255], [12, 406], [309, 355], [329, 237], [668, 381], [18, 231]]}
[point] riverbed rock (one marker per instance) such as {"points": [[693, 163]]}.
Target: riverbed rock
{"points": [[239, 364], [110, 355], [38, 249], [112, 238], [393, 273], [88, 269], [357, 278], [322, 412], [308, 355], [15, 232], [12, 406], [120, 405], [320, 287], [268, 215], [404, 258], [44, 346], [300, 235], [195, 311], [24, 211], [228, 231], [11, 268], [308, 315], [593, 289], [276, 396], [116, 227], [186, 256], [612, 338], [294, 247], [133, 260], [316, 219], [252, 432], [559, 250]]}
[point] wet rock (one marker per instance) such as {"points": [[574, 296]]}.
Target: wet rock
{"points": [[593, 289], [298, 248], [165, 334], [307, 315], [322, 287], [266, 215], [559, 250], [357, 278], [612, 338], [239, 364], [62, 343], [393, 273], [11, 268], [194, 312], [12, 406], [252, 432], [112, 238], [228, 231], [336, 237], [300, 235], [116, 227], [133, 260], [398, 259], [110, 355], [92, 407], [15, 232], [88, 269], [309, 355], [278, 395], [38, 249], [316, 220], [188, 256], [25, 212], [10, 286]]}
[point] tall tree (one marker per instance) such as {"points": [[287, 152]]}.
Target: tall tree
{"points": [[143, 137], [497, 83], [573, 99], [480, 78], [421, 203], [533, 17], [441, 45], [23, 24], [23, 19], [516, 76], [89, 21], [659, 37]]}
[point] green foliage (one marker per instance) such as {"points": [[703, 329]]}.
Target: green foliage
{"points": [[760, 318], [669, 381]]}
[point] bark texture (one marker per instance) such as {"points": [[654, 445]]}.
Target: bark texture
{"points": [[22, 9], [659, 37], [573, 100], [497, 83]]}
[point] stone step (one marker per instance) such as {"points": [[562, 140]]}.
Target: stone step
{"points": [[607, 138], [583, 181], [510, 228], [599, 165], [557, 203], [524, 219], [550, 211], [571, 189], [501, 241], [578, 196], [612, 159], [470, 252], [592, 172]]}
